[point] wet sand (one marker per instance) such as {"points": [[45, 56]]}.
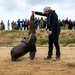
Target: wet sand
{"points": [[38, 66]]}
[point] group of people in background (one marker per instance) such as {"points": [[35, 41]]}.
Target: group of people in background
{"points": [[39, 22], [68, 23], [24, 24]]}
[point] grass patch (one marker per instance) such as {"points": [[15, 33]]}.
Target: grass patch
{"points": [[10, 37], [63, 28], [42, 31], [42, 41], [8, 43], [3, 33], [67, 41], [39, 34], [10, 34]]}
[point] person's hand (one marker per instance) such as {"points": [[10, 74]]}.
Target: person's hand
{"points": [[33, 12], [49, 32]]}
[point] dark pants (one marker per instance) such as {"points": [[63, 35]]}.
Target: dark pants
{"points": [[53, 39]]}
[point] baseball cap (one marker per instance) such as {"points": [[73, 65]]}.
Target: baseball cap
{"points": [[46, 8]]}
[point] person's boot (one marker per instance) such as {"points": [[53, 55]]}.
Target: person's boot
{"points": [[58, 58], [48, 58]]}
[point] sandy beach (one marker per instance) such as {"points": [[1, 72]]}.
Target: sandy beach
{"points": [[38, 66]]}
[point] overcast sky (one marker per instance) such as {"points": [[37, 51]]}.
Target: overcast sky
{"points": [[14, 9]]}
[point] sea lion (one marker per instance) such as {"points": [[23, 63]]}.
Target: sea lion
{"points": [[27, 45]]}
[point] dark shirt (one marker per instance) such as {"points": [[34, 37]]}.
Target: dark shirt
{"points": [[52, 20]]}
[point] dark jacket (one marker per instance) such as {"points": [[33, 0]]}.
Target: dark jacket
{"points": [[52, 20]]}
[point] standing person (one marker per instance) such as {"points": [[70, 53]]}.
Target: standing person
{"points": [[41, 23], [73, 25], [19, 24], [66, 23], [53, 32], [37, 23], [70, 25], [23, 24], [2, 25], [45, 23], [13, 25], [28, 23], [8, 25]]}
